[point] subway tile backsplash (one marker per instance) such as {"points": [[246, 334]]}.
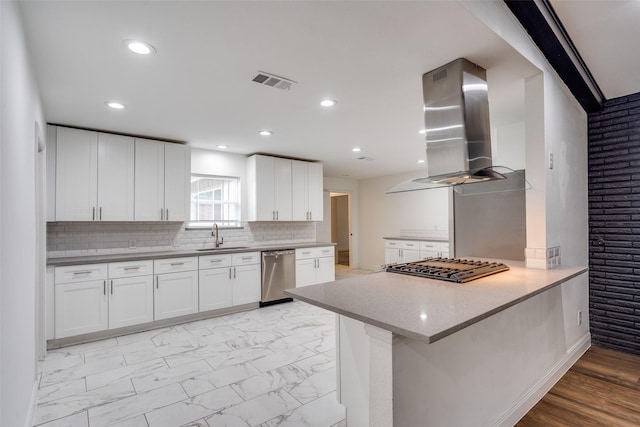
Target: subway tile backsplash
{"points": [[101, 238]]}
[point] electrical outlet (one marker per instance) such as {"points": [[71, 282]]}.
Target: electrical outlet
{"points": [[579, 317]]}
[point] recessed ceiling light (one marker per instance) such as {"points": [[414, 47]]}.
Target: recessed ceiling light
{"points": [[222, 147], [420, 161], [422, 131], [356, 149], [139, 47], [114, 105], [328, 102], [266, 132]]}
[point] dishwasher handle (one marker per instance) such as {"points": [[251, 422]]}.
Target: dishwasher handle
{"points": [[276, 254]]}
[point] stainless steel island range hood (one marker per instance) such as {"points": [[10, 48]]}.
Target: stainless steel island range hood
{"points": [[457, 132]]}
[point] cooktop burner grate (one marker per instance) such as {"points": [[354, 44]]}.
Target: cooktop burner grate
{"points": [[450, 269]]}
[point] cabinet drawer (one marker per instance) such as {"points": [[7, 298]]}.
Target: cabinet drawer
{"points": [[80, 273], [130, 269], [430, 246], [214, 261], [402, 244], [171, 265], [245, 258], [323, 251]]}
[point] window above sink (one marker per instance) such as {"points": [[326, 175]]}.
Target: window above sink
{"points": [[214, 199]]}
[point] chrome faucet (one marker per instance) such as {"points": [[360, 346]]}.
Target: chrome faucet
{"points": [[216, 242]]}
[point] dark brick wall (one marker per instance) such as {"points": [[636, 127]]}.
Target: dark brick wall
{"points": [[614, 224]]}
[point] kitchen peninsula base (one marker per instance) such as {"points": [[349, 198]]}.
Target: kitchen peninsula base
{"points": [[489, 372]]}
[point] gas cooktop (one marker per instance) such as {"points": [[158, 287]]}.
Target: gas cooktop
{"points": [[450, 269]]}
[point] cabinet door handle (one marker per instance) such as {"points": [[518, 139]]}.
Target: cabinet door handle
{"points": [[93, 213], [234, 272], [104, 287], [229, 273], [167, 214], [310, 216], [100, 213], [112, 287], [273, 215], [277, 215], [157, 283], [161, 214]]}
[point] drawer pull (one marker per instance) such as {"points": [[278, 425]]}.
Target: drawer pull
{"points": [[306, 253], [177, 263], [81, 273], [215, 260], [246, 258], [326, 252], [131, 268]]}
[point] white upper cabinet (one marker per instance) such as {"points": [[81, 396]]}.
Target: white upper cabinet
{"points": [[76, 175], [307, 186], [162, 176], [115, 177], [149, 199], [94, 176], [177, 181], [283, 190], [268, 188]]}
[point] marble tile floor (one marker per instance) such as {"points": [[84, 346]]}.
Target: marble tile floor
{"points": [[273, 366]]}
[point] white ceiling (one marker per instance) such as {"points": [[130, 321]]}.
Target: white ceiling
{"points": [[370, 56], [606, 34]]}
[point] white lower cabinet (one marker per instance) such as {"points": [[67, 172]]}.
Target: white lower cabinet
{"points": [[229, 279], [81, 308], [401, 251], [246, 284], [80, 299], [215, 282], [130, 301], [175, 294], [315, 265], [434, 249]]}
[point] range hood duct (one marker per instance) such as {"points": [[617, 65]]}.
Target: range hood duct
{"points": [[457, 131]]}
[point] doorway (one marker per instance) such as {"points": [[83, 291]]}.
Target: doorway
{"points": [[341, 227]]}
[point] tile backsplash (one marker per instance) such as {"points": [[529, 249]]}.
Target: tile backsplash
{"points": [[100, 238]]}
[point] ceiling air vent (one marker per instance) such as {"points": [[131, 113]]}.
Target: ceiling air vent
{"points": [[365, 158], [272, 80]]}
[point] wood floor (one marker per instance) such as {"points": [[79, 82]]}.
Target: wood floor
{"points": [[601, 389]]}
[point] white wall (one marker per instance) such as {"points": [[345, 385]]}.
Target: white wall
{"points": [[20, 109], [389, 215], [560, 194]]}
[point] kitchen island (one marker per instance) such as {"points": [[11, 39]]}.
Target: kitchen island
{"points": [[423, 352]]}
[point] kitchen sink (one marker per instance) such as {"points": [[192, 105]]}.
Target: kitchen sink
{"points": [[221, 248]]}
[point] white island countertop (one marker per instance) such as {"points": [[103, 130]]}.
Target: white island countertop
{"points": [[427, 309]]}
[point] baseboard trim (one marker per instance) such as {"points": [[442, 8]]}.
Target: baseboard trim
{"points": [[28, 422], [542, 387]]}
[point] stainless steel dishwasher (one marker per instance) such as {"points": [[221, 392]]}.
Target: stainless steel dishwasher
{"points": [[278, 274]]}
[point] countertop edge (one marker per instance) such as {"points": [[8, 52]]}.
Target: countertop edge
{"points": [[429, 339], [141, 256]]}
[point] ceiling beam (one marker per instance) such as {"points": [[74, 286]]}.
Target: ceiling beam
{"points": [[543, 25]]}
